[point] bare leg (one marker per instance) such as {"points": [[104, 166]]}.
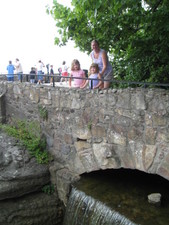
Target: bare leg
{"points": [[106, 84]]}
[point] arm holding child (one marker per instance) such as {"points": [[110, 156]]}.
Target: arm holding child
{"points": [[85, 84]]}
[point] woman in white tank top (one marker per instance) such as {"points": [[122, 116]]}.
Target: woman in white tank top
{"points": [[100, 57]]}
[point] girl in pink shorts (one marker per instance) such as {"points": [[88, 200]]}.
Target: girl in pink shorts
{"points": [[64, 71]]}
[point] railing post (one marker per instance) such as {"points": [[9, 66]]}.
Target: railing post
{"points": [[53, 81], [27, 77], [91, 84]]}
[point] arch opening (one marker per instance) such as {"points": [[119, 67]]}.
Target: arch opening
{"points": [[126, 191]]}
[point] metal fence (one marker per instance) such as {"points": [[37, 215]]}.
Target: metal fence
{"points": [[114, 83]]}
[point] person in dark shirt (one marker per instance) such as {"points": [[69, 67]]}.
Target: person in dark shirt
{"points": [[32, 75], [51, 73]]}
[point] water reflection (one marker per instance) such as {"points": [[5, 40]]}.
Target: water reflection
{"points": [[101, 194]]}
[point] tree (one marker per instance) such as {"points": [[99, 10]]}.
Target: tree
{"points": [[137, 38]]}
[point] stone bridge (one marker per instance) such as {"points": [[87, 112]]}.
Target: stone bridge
{"points": [[90, 130]]}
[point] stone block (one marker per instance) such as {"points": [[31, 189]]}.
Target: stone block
{"points": [[148, 119], [158, 120], [82, 133], [136, 149], [149, 153], [98, 131], [138, 101], [150, 135], [68, 139], [34, 96], [88, 160], [163, 169], [135, 133], [117, 138], [17, 90], [105, 158], [123, 100], [79, 145], [163, 136]]}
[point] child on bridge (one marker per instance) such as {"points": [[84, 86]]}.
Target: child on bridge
{"points": [[93, 75], [76, 72]]}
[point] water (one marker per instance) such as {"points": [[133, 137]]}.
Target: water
{"points": [[83, 210], [117, 197]]}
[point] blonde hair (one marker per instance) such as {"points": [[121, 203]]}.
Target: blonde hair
{"points": [[94, 65], [75, 61], [95, 41]]}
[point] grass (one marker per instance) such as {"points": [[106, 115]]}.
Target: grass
{"points": [[29, 135]]}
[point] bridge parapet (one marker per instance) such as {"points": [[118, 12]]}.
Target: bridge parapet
{"points": [[89, 130]]}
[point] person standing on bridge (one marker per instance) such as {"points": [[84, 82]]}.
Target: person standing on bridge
{"points": [[64, 72], [40, 66], [51, 75], [32, 75], [100, 57], [19, 70], [10, 68]]}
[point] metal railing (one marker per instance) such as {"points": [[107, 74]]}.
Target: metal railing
{"points": [[56, 78]]}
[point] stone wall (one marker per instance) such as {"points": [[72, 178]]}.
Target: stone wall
{"points": [[89, 130]]}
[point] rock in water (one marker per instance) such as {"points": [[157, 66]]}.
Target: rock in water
{"points": [[154, 198]]}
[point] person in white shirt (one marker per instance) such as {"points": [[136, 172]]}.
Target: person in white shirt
{"points": [[19, 70], [40, 66]]}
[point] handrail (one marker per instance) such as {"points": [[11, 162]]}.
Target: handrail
{"points": [[144, 84]]}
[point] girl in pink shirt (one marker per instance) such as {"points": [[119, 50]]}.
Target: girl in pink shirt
{"points": [[76, 72]]}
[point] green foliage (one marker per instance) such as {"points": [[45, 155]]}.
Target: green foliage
{"points": [[43, 112], [136, 37], [48, 189], [29, 135]]}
